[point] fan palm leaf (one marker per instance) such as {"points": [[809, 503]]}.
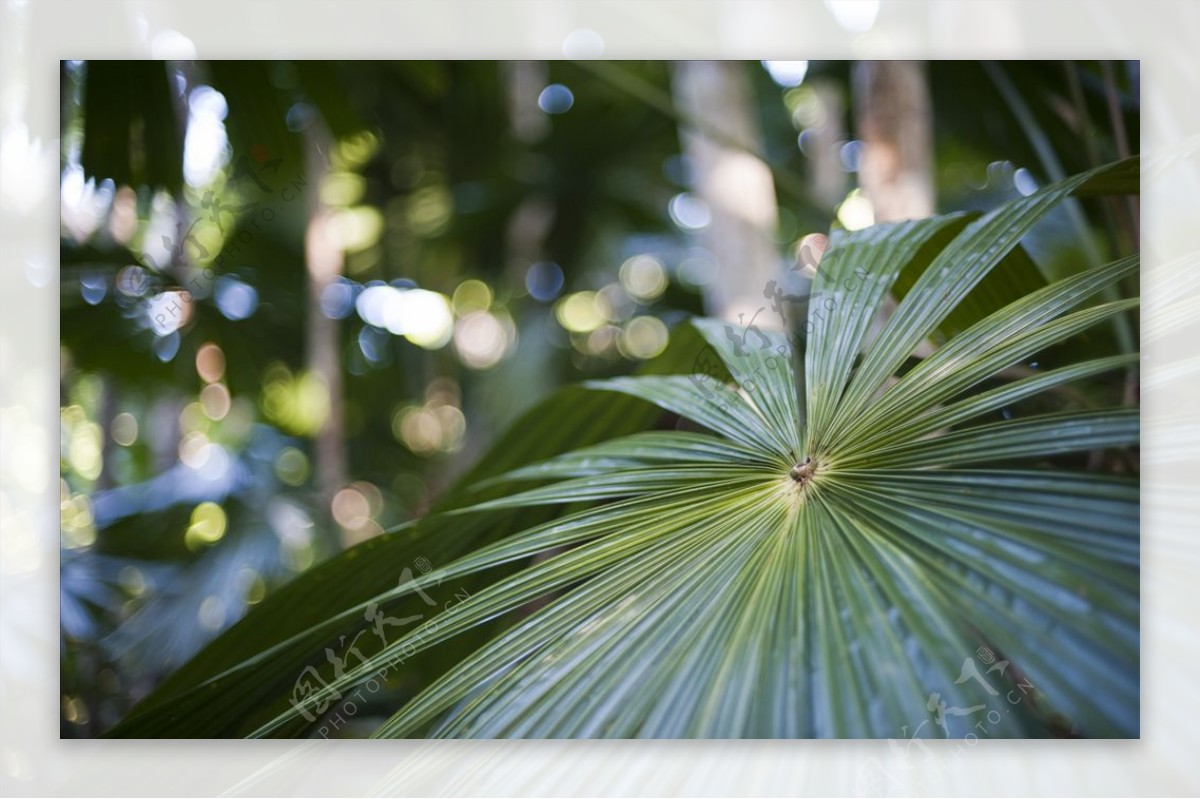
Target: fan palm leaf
{"points": [[846, 545]]}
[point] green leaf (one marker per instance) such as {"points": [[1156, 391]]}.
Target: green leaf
{"points": [[817, 560], [948, 280], [310, 612]]}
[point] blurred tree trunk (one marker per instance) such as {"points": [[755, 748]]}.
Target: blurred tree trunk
{"points": [[531, 222], [524, 377], [324, 262], [719, 136], [829, 177], [894, 119], [108, 412]]}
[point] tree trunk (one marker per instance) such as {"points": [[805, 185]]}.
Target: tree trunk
{"points": [[720, 136], [324, 262], [894, 119], [829, 178]]}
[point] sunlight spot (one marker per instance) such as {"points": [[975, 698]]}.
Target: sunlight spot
{"points": [[211, 613], [556, 99], [578, 312], [471, 295], [300, 403], [356, 229], [480, 340], [207, 526], [168, 311], [350, 508], [84, 450], [689, 212], [124, 429], [583, 43], [291, 466], [423, 317], [194, 449], [76, 523], [236, 300], [856, 211], [215, 400], [856, 16], [210, 362], [787, 73], [644, 337], [544, 280], [644, 277], [132, 580], [699, 269], [93, 286], [342, 189], [75, 710], [206, 145], [166, 347], [614, 303], [1024, 182], [83, 204], [254, 587], [337, 299], [171, 45]]}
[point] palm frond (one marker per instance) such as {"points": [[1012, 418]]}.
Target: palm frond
{"points": [[824, 558]]}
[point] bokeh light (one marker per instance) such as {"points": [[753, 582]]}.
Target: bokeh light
{"points": [[856, 211], [689, 212], [291, 466], [583, 43], [544, 280], [168, 311], [614, 303], [643, 337], [236, 300], [356, 229], [556, 99], [423, 317], [210, 362], [787, 73], [337, 298], [644, 277], [578, 312], [856, 16], [481, 340], [207, 526], [471, 295], [77, 524], [1024, 182], [206, 145], [211, 614], [298, 403], [124, 429], [215, 400], [342, 189]]}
